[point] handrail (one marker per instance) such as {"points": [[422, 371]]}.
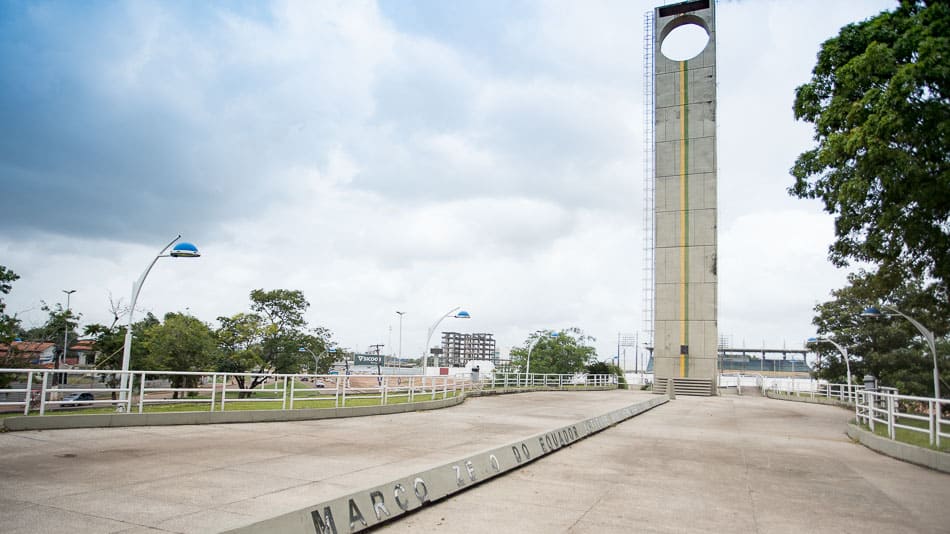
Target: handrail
{"points": [[214, 391], [896, 411]]}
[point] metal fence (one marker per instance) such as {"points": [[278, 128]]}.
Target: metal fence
{"points": [[816, 388], [39, 391], [921, 415], [521, 380]]}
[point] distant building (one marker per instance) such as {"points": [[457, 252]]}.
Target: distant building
{"points": [[458, 349], [33, 353], [82, 353]]}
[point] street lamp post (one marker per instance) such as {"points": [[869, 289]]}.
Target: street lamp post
{"points": [[928, 335], [400, 313], [425, 349], [842, 350], [316, 359], [181, 250], [531, 347], [62, 363]]}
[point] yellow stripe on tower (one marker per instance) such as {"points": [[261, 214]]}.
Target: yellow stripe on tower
{"points": [[684, 224]]}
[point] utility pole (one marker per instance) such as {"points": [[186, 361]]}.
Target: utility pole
{"points": [[379, 370], [62, 365], [401, 313]]}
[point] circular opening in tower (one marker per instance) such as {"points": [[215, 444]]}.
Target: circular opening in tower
{"points": [[684, 41]]}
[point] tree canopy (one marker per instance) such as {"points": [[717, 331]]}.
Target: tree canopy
{"points": [[8, 325], [181, 343], [889, 348], [565, 353], [879, 99]]}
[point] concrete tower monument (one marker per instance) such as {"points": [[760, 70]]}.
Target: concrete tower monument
{"points": [[686, 335]]}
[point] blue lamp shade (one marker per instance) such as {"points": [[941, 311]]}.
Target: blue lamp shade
{"points": [[302, 349], [554, 334], [185, 250], [871, 311], [811, 341], [463, 315]]}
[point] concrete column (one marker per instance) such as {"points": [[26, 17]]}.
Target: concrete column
{"points": [[686, 201]]}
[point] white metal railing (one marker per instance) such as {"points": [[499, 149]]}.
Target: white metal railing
{"points": [[900, 411], [38, 391], [817, 388], [35, 390], [528, 380]]}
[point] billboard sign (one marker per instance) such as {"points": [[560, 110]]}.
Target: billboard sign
{"points": [[368, 359]]}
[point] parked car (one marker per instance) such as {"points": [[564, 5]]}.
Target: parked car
{"points": [[77, 398], [317, 383]]}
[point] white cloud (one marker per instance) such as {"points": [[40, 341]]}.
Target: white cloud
{"points": [[328, 148]]}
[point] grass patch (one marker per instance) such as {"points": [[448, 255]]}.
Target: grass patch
{"points": [[911, 437], [267, 402]]}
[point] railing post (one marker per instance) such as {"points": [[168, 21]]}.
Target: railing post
{"points": [[214, 388], [283, 393], [890, 416], [411, 388], [28, 395], [938, 415], [141, 393], [224, 390], [934, 422], [345, 384], [293, 391], [43, 392], [128, 394], [336, 391]]}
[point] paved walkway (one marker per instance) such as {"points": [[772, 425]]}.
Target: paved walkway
{"points": [[727, 464], [736, 464], [216, 477]]}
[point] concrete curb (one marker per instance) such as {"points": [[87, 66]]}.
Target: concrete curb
{"points": [[370, 507], [939, 461], [50, 422], [810, 400], [511, 391]]}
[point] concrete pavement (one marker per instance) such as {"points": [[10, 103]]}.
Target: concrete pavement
{"points": [[726, 464], [740, 464], [209, 478]]}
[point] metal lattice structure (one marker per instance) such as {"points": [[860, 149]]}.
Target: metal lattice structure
{"points": [[649, 185]]}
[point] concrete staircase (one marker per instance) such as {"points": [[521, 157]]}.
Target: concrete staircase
{"points": [[699, 387]]}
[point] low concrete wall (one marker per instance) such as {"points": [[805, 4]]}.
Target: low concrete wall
{"points": [[49, 422], [375, 505], [811, 400], [937, 460]]}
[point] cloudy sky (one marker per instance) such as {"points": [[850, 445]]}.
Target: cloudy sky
{"points": [[392, 155]]}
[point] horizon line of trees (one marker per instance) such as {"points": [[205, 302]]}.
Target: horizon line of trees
{"points": [[265, 339]]}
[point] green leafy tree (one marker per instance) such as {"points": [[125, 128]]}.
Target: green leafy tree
{"points": [[269, 339], [8, 325], [108, 342], [879, 99], [240, 342], [566, 353], [281, 311], [181, 343], [890, 349], [603, 368]]}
